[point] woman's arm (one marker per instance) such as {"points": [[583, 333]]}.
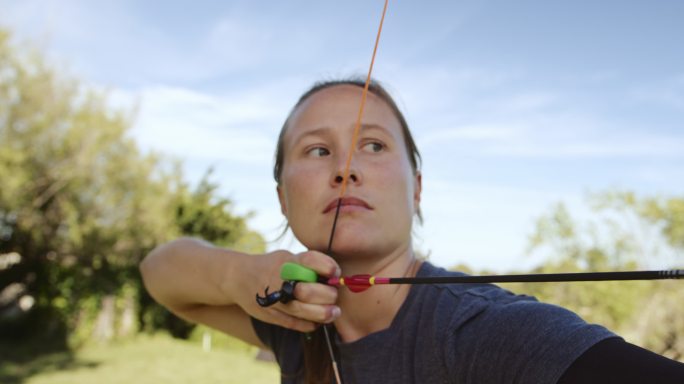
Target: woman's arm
{"points": [[215, 286], [616, 361]]}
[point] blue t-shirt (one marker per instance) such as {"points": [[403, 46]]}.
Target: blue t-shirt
{"points": [[453, 333]]}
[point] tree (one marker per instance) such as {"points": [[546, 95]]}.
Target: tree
{"points": [[201, 212], [659, 322], [81, 205], [625, 232]]}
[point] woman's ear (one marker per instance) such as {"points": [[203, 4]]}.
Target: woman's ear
{"points": [[281, 199], [417, 189]]}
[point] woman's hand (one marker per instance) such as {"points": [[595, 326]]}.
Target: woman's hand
{"points": [[217, 287], [314, 303]]}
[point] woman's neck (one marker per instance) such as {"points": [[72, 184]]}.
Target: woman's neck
{"points": [[374, 309]]}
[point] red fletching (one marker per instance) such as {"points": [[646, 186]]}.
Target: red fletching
{"points": [[357, 283]]}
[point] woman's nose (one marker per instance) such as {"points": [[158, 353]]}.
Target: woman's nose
{"points": [[352, 176]]}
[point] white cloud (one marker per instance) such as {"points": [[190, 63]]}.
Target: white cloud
{"points": [[191, 124], [558, 135], [607, 145], [115, 42], [442, 88], [239, 126], [661, 174], [532, 101], [482, 133]]}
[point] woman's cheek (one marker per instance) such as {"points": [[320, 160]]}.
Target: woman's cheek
{"points": [[400, 184], [396, 178], [304, 190]]}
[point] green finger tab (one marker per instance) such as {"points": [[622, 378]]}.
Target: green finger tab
{"points": [[296, 272]]}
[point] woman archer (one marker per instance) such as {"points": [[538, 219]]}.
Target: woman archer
{"points": [[397, 334]]}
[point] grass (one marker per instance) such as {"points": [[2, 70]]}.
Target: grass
{"points": [[144, 359]]}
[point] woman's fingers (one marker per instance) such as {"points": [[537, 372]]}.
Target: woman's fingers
{"points": [[315, 293], [323, 264], [314, 303], [300, 316], [311, 312], [275, 316]]}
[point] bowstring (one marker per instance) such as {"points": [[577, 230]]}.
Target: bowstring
{"points": [[345, 177]]}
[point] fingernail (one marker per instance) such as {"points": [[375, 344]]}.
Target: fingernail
{"points": [[338, 272], [336, 312]]}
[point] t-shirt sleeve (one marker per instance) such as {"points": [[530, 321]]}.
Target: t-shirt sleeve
{"points": [[521, 341], [273, 336], [265, 332], [285, 345]]}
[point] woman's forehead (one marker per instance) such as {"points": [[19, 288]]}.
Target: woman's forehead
{"points": [[337, 107]]}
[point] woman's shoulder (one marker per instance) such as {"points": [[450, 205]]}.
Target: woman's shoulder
{"points": [[458, 303], [450, 306], [486, 326]]}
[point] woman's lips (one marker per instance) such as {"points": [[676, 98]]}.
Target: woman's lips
{"points": [[350, 203]]}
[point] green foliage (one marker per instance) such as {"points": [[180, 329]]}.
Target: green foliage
{"points": [[610, 239], [659, 324], [665, 213], [81, 205], [74, 203], [625, 232], [201, 212], [609, 303]]}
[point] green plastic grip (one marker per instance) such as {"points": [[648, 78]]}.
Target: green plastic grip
{"points": [[296, 272]]}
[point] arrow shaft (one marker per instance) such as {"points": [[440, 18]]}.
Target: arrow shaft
{"points": [[361, 282]]}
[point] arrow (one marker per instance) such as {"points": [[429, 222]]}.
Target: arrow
{"points": [[359, 283]]}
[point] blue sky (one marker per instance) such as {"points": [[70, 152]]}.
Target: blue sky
{"points": [[515, 105]]}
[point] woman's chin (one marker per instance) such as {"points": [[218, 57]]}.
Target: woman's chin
{"points": [[355, 249]]}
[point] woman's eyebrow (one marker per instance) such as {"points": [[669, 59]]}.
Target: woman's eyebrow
{"points": [[317, 132], [375, 127], [326, 131]]}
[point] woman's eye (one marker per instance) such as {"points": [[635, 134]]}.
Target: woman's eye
{"points": [[374, 147], [318, 152]]}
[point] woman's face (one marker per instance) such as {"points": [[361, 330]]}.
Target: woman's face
{"points": [[382, 192]]}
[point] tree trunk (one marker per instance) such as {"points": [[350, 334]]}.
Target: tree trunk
{"points": [[104, 325], [128, 316]]}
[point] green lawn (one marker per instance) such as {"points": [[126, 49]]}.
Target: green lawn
{"points": [[145, 359]]}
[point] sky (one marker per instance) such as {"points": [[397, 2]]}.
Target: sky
{"points": [[515, 105]]}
